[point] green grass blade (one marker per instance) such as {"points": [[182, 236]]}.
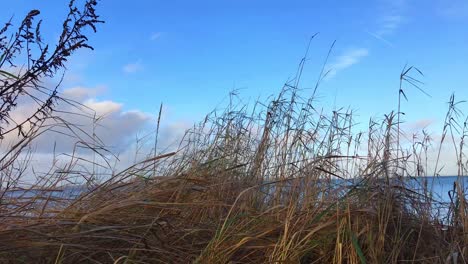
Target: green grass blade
{"points": [[358, 248], [7, 74]]}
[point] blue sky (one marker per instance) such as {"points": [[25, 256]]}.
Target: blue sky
{"points": [[190, 54]]}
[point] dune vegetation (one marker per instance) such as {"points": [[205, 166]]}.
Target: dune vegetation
{"points": [[276, 182]]}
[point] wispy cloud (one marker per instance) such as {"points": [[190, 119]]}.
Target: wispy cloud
{"points": [[418, 125], [380, 38], [346, 60], [155, 35], [133, 67], [455, 9], [389, 22]]}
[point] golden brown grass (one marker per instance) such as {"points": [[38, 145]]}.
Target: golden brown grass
{"points": [[285, 184], [279, 183]]}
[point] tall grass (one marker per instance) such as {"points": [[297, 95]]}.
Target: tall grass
{"points": [[277, 183]]}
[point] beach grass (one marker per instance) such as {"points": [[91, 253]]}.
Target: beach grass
{"points": [[280, 181], [284, 183]]}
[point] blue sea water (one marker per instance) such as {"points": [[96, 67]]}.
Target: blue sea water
{"points": [[442, 188], [69, 192], [441, 192]]}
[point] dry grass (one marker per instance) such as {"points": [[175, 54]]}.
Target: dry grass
{"points": [[277, 183], [283, 184]]}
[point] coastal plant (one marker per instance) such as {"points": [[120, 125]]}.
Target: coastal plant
{"points": [[281, 181]]}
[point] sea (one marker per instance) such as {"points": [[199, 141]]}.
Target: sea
{"points": [[441, 187], [441, 190]]}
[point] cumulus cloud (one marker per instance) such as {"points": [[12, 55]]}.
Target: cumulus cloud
{"points": [[80, 93], [133, 67], [127, 135], [346, 60], [172, 133], [95, 123], [103, 119], [104, 122], [103, 108]]}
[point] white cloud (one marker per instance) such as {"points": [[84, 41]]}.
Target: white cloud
{"points": [[133, 67], [155, 35], [116, 128], [390, 20], [103, 108], [388, 24], [418, 125], [346, 60], [172, 133], [71, 77], [80, 93], [380, 38], [455, 9]]}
